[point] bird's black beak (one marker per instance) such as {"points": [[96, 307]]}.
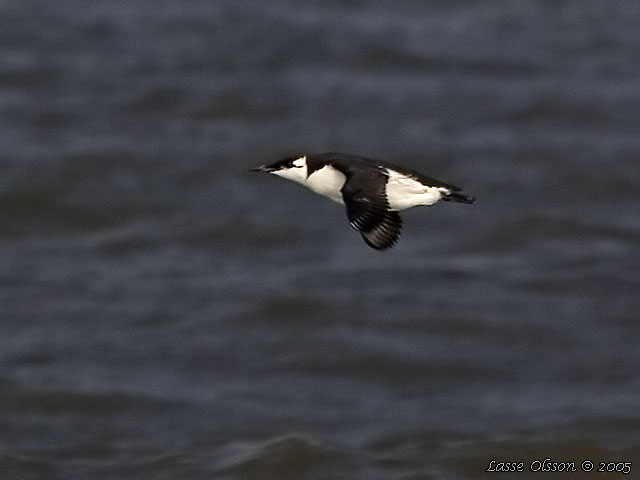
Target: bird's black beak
{"points": [[262, 168]]}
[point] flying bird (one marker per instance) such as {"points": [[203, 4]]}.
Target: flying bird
{"points": [[373, 191]]}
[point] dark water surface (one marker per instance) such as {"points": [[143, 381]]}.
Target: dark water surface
{"points": [[164, 314]]}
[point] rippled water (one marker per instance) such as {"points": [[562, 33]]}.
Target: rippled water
{"points": [[166, 314]]}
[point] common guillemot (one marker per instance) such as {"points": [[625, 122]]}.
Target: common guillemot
{"points": [[372, 191]]}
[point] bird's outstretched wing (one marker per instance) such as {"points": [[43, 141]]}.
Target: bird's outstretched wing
{"points": [[368, 211]]}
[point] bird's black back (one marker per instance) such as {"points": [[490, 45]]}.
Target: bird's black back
{"points": [[349, 164]]}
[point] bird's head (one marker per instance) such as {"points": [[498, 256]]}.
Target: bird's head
{"points": [[291, 168]]}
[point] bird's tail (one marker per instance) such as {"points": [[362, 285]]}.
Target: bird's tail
{"points": [[456, 197]]}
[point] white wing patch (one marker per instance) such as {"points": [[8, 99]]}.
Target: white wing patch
{"points": [[405, 192]]}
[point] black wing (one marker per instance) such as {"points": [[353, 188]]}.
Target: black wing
{"points": [[368, 210]]}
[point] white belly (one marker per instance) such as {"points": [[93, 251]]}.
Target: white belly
{"points": [[404, 192], [328, 182]]}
